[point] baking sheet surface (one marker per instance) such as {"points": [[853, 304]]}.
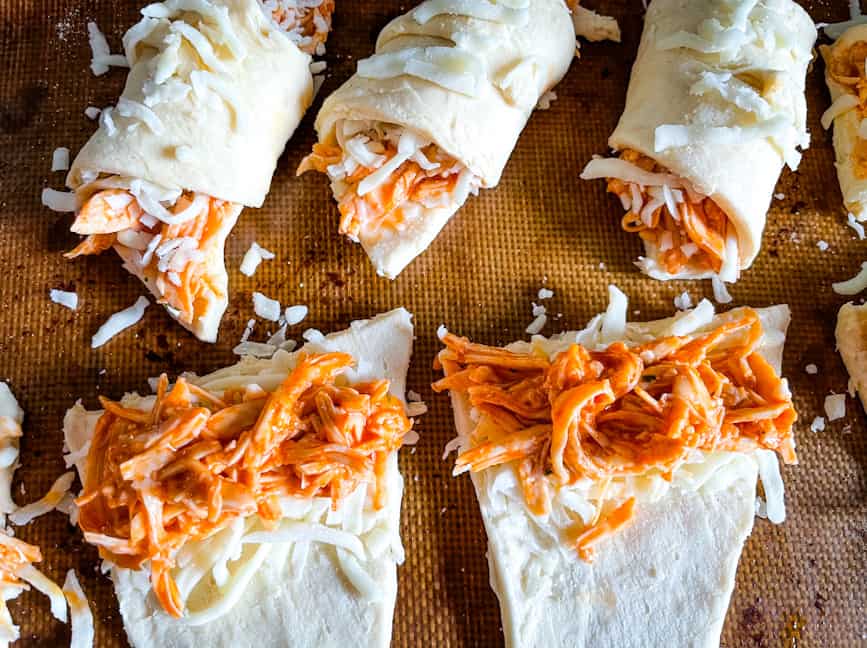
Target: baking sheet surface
{"points": [[802, 583]]}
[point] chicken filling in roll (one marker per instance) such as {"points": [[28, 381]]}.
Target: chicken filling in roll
{"points": [[684, 232], [385, 178], [846, 66], [175, 239], [617, 413], [195, 464]]}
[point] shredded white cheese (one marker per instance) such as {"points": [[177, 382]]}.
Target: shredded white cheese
{"points": [[594, 27], [854, 285], [683, 301], [614, 318], [842, 104], [822, 245], [253, 257], [772, 484], [79, 611], [59, 201], [295, 314], [265, 307], [811, 369], [818, 424], [537, 324], [720, 292], [835, 406], [140, 112], [441, 331], [46, 504], [60, 159], [852, 222], [119, 322], [545, 293], [48, 587], [451, 68], [92, 112], [64, 298]]}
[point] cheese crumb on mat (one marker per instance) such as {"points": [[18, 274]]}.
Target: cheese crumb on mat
{"points": [[537, 324], [265, 307], [64, 298], [92, 112], [59, 201], [835, 406], [120, 321], [80, 616], [60, 159], [101, 56], [442, 331], [811, 369], [854, 285], [594, 27], [683, 301], [295, 314], [822, 245], [254, 256], [545, 293], [818, 424]]}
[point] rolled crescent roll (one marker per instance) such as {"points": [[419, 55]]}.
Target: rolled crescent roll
{"points": [[294, 460], [851, 334], [434, 115], [215, 89], [844, 74], [715, 109], [616, 475]]}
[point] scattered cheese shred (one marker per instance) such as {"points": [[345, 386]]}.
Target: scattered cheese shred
{"points": [[120, 321], [46, 504], [835, 406], [60, 159], [253, 257], [265, 307], [79, 611], [854, 285], [59, 201], [295, 314], [818, 424], [64, 298]]}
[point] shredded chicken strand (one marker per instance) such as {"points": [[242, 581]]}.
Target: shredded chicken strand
{"points": [[187, 468], [620, 411], [701, 223]]}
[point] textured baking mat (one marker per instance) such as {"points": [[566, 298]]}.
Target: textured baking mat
{"points": [[799, 584]]}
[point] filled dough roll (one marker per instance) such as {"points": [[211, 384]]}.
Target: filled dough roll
{"points": [[434, 115], [215, 89], [714, 110], [845, 76]]}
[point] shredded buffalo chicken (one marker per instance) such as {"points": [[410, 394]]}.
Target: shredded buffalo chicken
{"points": [[383, 208], [698, 222], [618, 412], [14, 555], [194, 462]]}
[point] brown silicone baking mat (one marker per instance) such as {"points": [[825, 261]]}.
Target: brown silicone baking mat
{"points": [[802, 583]]}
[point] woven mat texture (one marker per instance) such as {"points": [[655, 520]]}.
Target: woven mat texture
{"points": [[799, 584]]}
